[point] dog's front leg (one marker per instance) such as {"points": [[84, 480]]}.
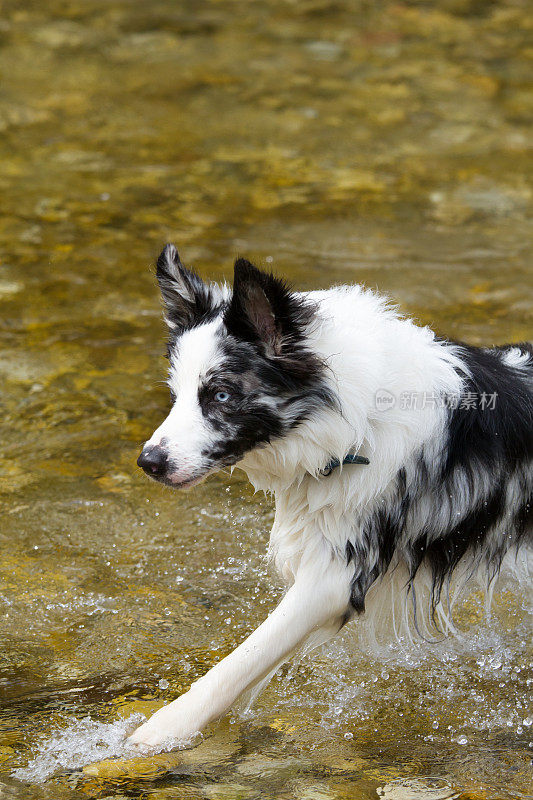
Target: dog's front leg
{"points": [[317, 601]]}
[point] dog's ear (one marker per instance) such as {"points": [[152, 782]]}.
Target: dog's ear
{"points": [[264, 310], [187, 299]]}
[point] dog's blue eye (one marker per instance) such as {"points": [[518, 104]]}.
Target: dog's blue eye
{"points": [[222, 397]]}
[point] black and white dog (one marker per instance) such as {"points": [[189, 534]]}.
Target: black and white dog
{"points": [[387, 449]]}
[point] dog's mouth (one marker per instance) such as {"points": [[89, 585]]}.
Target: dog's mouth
{"points": [[188, 483], [179, 483]]}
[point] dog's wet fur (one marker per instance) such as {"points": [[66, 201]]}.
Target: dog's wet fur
{"points": [[280, 383]]}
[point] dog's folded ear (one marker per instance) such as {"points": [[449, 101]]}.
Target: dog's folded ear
{"points": [[187, 299], [264, 310]]}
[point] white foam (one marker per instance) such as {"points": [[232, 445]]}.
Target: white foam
{"points": [[82, 742]]}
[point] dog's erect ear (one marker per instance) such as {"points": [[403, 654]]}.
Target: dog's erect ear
{"points": [[263, 309], [187, 299]]}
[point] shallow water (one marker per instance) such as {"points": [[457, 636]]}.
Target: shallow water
{"points": [[335, 141]]}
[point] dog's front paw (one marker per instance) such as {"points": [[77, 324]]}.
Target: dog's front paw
{"points": [[166, 729]]}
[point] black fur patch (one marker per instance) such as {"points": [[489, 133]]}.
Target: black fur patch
{"points": [[264, 312], [444, 553], [491, 437], [383, 530], [264, 402], [187, 299]]}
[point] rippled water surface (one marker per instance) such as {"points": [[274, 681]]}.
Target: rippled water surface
{"points": [[384, 142]]}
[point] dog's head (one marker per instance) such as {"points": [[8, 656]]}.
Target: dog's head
{"points": [[241, 371]]}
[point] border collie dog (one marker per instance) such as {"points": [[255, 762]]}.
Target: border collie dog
{"points": [[387, 448]]}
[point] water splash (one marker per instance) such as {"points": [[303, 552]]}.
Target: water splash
{"points": [[452, 692], [82, 742]]}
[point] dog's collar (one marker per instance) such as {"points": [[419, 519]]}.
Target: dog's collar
{"points": [[349, 459]]}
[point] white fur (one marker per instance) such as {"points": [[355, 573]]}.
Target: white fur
{"points": [[368, 348], [185, 432]]}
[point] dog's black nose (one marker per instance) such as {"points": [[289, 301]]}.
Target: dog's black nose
{"points": [[153, 460]]}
